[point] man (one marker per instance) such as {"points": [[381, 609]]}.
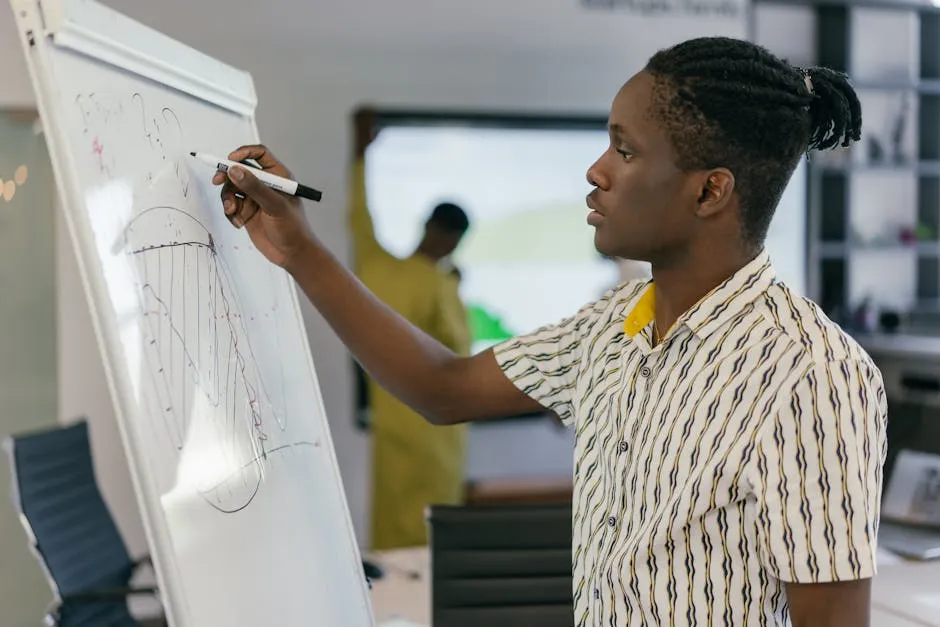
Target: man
{"points": [[729, 437], [414, 463]]}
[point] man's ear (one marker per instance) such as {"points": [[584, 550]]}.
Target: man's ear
{"points": [[715, 192]]}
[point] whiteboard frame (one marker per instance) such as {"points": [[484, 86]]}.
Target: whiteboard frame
{"points": [[89, 28]]}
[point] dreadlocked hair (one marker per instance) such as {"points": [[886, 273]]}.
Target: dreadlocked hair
{"points": [[730, 103]]}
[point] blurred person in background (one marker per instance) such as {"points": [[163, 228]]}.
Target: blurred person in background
{"points": [[414, 463]]}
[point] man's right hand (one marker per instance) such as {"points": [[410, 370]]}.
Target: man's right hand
{"points": [[275, 221]]}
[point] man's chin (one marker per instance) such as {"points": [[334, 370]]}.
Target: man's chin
{"points": [[618, 250], [602, 245]]}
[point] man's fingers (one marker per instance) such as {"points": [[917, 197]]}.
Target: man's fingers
{"points": [[247, 183], [269, 200], [263, 156], [246, 212], [232, 199], [238, 210], [243, 195]]}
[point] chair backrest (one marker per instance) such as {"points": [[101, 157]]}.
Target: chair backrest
{"points": [[69, 523], [497, 565]]}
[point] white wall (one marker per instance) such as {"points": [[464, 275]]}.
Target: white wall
{"points": [[551, 60]]}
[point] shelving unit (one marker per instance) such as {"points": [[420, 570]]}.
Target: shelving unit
{"points": [[874, 209]]}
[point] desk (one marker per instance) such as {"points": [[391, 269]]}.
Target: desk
{"points": [[908, 590], [904, 594], [404, 593]]}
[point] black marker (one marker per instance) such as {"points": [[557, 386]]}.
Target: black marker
{"points": [[273, 181]]}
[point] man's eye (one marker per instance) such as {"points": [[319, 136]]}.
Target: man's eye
{"points": [[626, 154]]}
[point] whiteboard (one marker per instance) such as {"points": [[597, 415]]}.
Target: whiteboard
{"points": [[203, 342]]}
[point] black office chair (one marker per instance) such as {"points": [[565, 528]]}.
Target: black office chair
{"points": [[501, 565], [71, 529]]}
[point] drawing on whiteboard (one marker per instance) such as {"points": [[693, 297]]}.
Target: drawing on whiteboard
{"points": [[98, 150], [209, 391], [94, 107], [201, 342], [164, 134], [161, 133]]}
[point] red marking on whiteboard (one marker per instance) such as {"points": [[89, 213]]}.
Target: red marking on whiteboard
{"points": [[98, 149]]}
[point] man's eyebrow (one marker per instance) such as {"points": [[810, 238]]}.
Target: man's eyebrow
{"points": [[619, 132]]}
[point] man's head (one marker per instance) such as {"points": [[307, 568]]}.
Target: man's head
{"points": [[443, 230], [702, 144]]}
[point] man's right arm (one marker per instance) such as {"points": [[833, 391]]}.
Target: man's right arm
{"points": [[438, 384], [418, 370]]}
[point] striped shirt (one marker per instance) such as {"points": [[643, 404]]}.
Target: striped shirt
{"points": [[743, 451]]}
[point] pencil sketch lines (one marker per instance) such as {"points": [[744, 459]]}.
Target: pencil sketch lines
{"points": [[206, 386]]}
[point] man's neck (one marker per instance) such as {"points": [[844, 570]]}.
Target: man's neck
{"points": [[679, 287], [423, 252]]}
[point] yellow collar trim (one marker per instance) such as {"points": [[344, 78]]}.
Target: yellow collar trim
{"points": [[642, 313]]}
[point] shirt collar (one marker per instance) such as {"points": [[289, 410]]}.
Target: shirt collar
{"points": [[716, 308], [642, 312]]}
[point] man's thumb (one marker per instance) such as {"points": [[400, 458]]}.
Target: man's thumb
{"points": [[266, 198]]}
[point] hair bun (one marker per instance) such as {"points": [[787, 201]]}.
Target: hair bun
{"points": [[835, 112]]}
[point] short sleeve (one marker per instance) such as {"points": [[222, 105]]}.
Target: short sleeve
{"points": [[818, 475], [544, 365]]}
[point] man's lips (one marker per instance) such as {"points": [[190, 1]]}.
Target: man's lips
{"points": [[595, 216]]}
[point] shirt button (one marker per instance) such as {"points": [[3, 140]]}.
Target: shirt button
{"points": [[624, 446], [597, 593], [645, 371], [612, 521]]}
